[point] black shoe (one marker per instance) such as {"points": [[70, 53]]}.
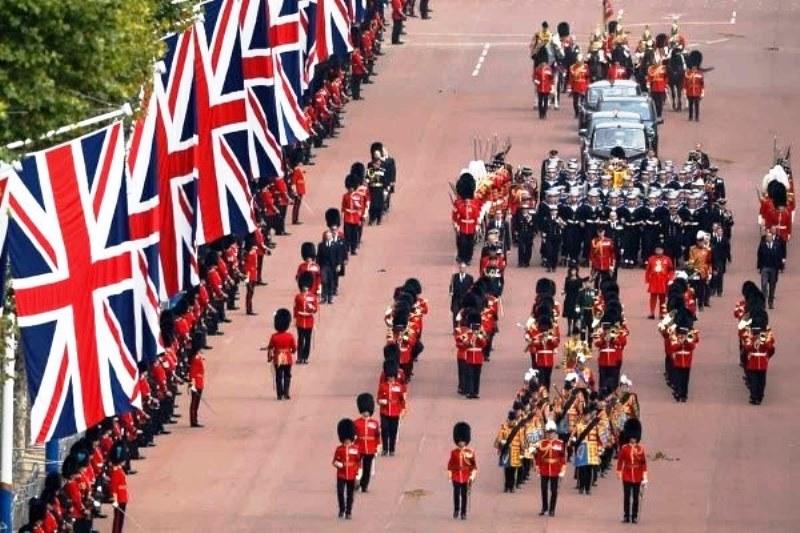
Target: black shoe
{"points": [[552, 513], [463, 516], [455, 514], [131, 472], [252, 313], [542, 512], [364, 489], [651, 317], [391, 453], [626, 520], [384, 453], [286, 396], [164, 432], [634, 520], [196, 425], [348, 516], [341, 514]]}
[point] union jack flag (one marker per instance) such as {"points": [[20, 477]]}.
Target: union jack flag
{"points": [[308, 35], [358, 10], [71, 262], [222, 154], [266, 158], [333, 29]]}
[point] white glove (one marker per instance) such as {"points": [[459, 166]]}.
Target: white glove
{"points": [[115, 505], [644, 481], [338, 464]]}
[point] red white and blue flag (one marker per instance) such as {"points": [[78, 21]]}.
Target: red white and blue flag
{"points": [[7, 176], [222, 153], [358, 11], [73, 281], [308, 35], [333, 29]]}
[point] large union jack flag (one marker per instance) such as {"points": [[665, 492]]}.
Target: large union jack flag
{"points": [[222, 154], [358, 11], [333, 29], [71, 262]]}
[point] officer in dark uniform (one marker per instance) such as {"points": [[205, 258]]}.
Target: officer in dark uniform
{"points": [[573, 232], [526, 228], [591, 216], [552, 233], [629, 238], [375, 183]]}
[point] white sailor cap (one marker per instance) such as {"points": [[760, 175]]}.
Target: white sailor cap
{"points": [[613, 194], [575, 191], [654, 193], [550, 426], [594, 192]]}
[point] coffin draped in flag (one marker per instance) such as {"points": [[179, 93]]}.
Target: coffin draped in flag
{"points": [[222, 154], [266, 159], [71, 262], [143, 205]]}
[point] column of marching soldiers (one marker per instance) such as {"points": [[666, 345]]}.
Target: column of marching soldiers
{"points": [[96, 468]]}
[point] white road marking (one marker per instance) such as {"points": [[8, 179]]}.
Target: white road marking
{"points": [[716, 41], [481, 59], [733, 17], [465, 44], [469, 34]]}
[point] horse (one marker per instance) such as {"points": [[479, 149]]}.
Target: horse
{"points": [[597, 65], [676, 68], [640, 72], [551, 53], [621, 55]]}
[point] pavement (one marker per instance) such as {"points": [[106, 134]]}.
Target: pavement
{"points": [[724, 465]]}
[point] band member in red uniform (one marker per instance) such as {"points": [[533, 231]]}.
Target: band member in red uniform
{"points": [[392, 399], [543, 80], [777, 210], [308, 251], [466, 210], [694, 84], [261, 249], [632, 468], [493, 267], [300, 190], [551, 465], [681, 348], [280, 352], [657, 276], [462, 468], [610, 343], [368, 436], [657, 82], [578, 83], [251, 272], [542, 343], [603, 255], [347, 462], [473, 341], [353, 210], [358, 72], [758, 344], [118, 488], [616, 72], [197, 382], [306, 306]]}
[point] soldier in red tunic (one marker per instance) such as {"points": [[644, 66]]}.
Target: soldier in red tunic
{"points": [[632, 468], [758, 344], [579, 79], [118, 487], [280, 352], [542, 342], [551, 464], [251, 273], [543, 80], [657, 83], [358, 72], [602, 255], [306, 306], [462, 469], [197, 382], [299, 191], [368, 436], [694, 84], [353, 211], [657, 276], [681, 349], [347, 462], [308, 251], [392, 399], [466, 210], [473, 341]]}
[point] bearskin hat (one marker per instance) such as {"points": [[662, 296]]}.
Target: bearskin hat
{"points": [[282, 319], [544, 322], [683, 319], [749, 289], [462, 433], [305, 280], [612, 315], [679, 285], [473, 318], [471, 300], [614, 305], [377, 146], [777, 192], [676, 302], [36, 510], [413, 286], [632, 430], [308, 251], [465, 186], [542, 286], [608, 286], [695, 59], [618, 152], [333, 217], [358, 170], [117, 454], [390, 368], [662, 39], [52, 483], [543, 309], [350, 182], [69, 467], [563, 29], [391, 352], [346, 430], [142, 367], [365, 403], [612, 27], [759, 319], [400, 318]]}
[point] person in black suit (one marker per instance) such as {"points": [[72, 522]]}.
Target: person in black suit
{"points": [[333, 218], [327, 259], [504, 230], [771, 260], [720, 257], [460, 285]]}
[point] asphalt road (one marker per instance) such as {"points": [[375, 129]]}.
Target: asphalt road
{"points": [[262, 465]]}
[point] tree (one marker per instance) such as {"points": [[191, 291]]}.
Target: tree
{"points": [[63, 61]]}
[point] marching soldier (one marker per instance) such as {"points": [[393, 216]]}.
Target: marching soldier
{"points": [[509, 447], [251, 271], [466, 210], [610, 343], [579, 79], [699, 262], [658, 275], [280, 352], [569, 213], [694, 84], [473, 341], [551, 465], [118, 487], [347, 462], [681, 348], [542, 343], [462, 469], [603, 255], [552, 230], [392, 399], [758, 344], [375, 183], [543, 80], [632, 468], [657, 85], [308, 251], [353, 210], [368, 437], [585, 442], [525, 227], [306, 306]]}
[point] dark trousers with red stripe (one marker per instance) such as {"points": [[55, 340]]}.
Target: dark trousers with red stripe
{"points": [[119, 518]]}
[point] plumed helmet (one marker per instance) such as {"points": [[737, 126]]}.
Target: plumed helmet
{"points": [[36, 510], [358, 170], [346, 430], [632, 430], [365, 403], [333, 217], [462, 433], [465, 186], [308, 251], [413, 286], [695, 59], [305, 280], [563, 29], [391, 352], [618, 152], [376, 147], [282, 319], [390, 368], [662, 39], [612, 26], [777, 192], [350, 182]]}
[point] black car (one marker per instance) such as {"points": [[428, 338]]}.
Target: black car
{"points": [[605, 89], [641, 105], [629, 135]]}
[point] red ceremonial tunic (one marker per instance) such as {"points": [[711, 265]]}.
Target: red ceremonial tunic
{"points": [[462, 464], [550, 457], [281, 348], [347, 460], [305, 305], [392, 398], [368, 435], [658, 274], [632, 463]]}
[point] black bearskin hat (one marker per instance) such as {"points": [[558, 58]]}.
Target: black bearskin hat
{"points": [[350, 182], [69, 467], [333, 217], [375, 147], [683, 319], [662, 40], [474, 319], [695, 59], [618, 152], [676, 302], [391, 352], [542, 286], [471, 300], [563, 29], [612, 26], [308, 251], [390, 368], [400, 318], [358, 170], [759, 319], [544, 322], [365, 403], [755, 302], [462, 433], [305, 280], [282, 319], [465, 186], [609, 286], [117, 454], [612, 316], [413, 286], [632, 430], [679, 285], [777, 192], [346, 430], [749, 289], [52, 483], [36, 510]]}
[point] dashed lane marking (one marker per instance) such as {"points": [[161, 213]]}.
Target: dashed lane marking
{"points": [[481, 59]]}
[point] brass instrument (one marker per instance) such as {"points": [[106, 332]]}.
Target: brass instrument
{"points": [[691, 336], [574, 347]]}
